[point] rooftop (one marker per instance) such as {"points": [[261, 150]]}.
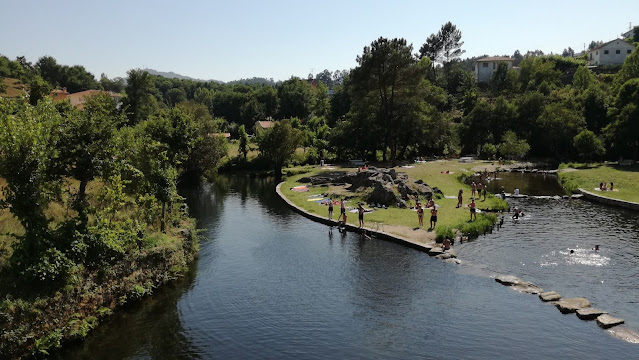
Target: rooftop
{"points": [[495, 58]]}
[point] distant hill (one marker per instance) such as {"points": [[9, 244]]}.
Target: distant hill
{"points": [[13, 88], [172, 75]]}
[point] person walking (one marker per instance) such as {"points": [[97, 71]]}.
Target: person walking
{"points": [[473, 214], [433, 217]]}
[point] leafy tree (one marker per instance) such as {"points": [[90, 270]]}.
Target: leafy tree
{"points": [[296, 98], [116, 84], [279, 143], [583, 78], [445, 46], [635, 37], [38, 89], [558, 125], [513, 147], [568, 52], [243, 141], [630, 68], [488, 151], [588, 146], [503, 81], [518, 57], [536, 71], [139, 101], [623, 133], [174, 96], [593, 44]]}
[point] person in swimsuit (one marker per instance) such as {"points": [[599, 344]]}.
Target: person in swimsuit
{"points": [[420, 215], [446, 244], [517, 214], [612, 185], [433, 217], [473, 187], [360, 209], [459, 198], [479, 187], [330, 208], [484, 193], [342, 209], [430, 203], [473, 214]]}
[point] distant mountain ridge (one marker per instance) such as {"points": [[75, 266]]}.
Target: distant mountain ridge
{"points": [[172, 75]]}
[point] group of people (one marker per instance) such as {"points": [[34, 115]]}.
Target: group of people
{"points": [[342, 216], [478, 188], [604, 187], [433, 213]]}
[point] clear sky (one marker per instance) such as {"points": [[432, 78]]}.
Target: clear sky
{"points": [[233, 39]]}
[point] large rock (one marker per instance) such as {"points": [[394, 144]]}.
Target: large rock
{"points": [[435, 251], [424, 190], [571, 305], [392, 173], [589, 313], [528, 288], [383, 194], [607, 321], [508, 280], [549, 296]]}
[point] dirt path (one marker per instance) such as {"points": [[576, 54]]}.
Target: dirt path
{"points": [[420, 236]]}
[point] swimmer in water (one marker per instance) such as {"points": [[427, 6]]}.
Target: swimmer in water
{"points": [[572, 251], [596, 248]]}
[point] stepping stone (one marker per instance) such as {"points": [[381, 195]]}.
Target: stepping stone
{"points": [[589, 313], [453, 261], [607, 321], [435, 251], [570, 305], [528, 288], [429, 246], [624, 334], [508, 280], [549, 296]]}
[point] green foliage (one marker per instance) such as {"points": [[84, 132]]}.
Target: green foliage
{"points": [[444, 46], [588, 146], [140, 101], [49, 342], [38, 90], [444, 232], [296, 98], [488, 150], [278, 144], [243, 141], [511, 147]]}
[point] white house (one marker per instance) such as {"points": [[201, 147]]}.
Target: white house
{"points": [[610, 53], [485, 67]]}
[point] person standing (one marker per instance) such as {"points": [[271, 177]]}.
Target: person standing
{"points": [[473, 214], [360, 210], [459, 198], [420, 215], [480, 186], [484, 192], [342, 210], [612, 185], [473, 188], [330, 208], [433, 217]]}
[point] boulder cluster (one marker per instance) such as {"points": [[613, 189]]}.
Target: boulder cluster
{"points": [[388, 187]]}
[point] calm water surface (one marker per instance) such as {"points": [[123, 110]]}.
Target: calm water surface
{"points": [[271, 284]]}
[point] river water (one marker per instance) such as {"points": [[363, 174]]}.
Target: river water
{"points": [[271, 284]]}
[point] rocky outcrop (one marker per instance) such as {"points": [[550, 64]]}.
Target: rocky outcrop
{"points": [[384, 194], [589, 313], [571, 305], [508, 280], [607, 321], [549, 296]]}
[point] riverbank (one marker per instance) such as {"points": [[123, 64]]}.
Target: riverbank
{"points": [[625, 179]]}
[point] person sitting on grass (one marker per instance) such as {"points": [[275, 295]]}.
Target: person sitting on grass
{"points": [[473, 214]]}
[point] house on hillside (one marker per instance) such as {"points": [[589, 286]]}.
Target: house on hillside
{"points": [[610, 53], [227, 136], [485, 67], [78, 99], [263, 125]]}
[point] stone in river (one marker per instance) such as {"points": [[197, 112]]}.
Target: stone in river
{"points": [[444, 256], [589, 313], [508, 280], [606, 321], [624, 334], [549, 296], [570, 305], [453, 261], [435, 251], [528, 288]]}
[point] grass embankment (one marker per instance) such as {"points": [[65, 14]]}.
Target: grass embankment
{"points": [[626, 179], [37, 319], [404, 221]]}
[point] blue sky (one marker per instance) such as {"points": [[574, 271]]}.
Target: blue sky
{"points": [[227, 40]]}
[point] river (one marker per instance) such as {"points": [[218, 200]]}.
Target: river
{"points": [[271, 284]]}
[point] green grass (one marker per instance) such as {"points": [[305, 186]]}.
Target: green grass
{"points": [[449, 216], [625, 178]]}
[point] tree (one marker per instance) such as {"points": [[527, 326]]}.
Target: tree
{"points": [[512, 147], [635, 34], [568, 52], [383, 79], [588, 146], [630, 68], [593, 44], [116, 84], [243, 141], [558, 125], [279, 143], [503, 81], [139, 101], [38, 89], [582, 78], [445, 46], [296, 98]]}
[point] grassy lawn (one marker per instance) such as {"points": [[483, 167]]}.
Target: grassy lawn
{"points": [[626, 179], [448, 215]]}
